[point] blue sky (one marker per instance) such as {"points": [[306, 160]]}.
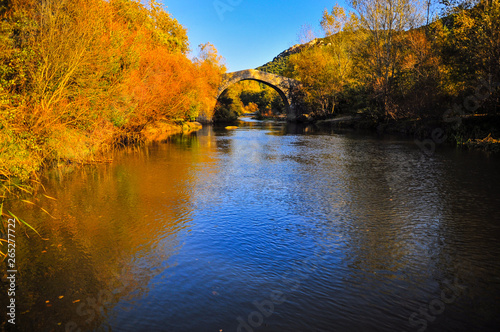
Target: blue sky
{"points": [[247, 33]]}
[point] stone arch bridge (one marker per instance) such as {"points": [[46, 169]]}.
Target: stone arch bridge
{"points": [[283, 85]]}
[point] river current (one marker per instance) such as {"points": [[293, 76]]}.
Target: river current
{"points": [[267, 227]]}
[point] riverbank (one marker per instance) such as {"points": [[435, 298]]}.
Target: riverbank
{"points": [[161, 131], [73, 90], [20, 170], [471, 131]]}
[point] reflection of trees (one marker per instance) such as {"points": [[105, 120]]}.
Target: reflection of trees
{"points": [[425, 221], [372, 199], [396, 208], [389, 219], [117, 227], [469, 232], [401, 227]]}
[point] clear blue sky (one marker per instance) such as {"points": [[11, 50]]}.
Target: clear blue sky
{"points": [[247, 33]]}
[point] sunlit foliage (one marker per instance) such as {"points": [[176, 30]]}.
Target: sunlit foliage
{"points": [[79, 76], [379, 59], [326, 70]]}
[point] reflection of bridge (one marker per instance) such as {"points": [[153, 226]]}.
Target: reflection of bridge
{"points": [[283, 85]]}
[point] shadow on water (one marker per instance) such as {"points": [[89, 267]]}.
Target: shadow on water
{"points": [[357, 232]]}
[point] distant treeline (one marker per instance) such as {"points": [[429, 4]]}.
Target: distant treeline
{"points": [[78, 77], [383, 61]]}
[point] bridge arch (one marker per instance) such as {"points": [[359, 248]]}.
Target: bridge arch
{"points": [[280, 84], [282, 94]]}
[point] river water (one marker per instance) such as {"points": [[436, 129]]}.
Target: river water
{"points": [[264, 228]]}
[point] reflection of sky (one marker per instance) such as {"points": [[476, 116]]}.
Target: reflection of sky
{"points": [[188, 234], [398, 205], [273, 201]]}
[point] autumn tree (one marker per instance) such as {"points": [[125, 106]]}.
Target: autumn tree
{"points": [[333, 22], [385, 20], [322, 75], [210, 67], [475, 43], [325, 70], [417, 85], [79, 76]]}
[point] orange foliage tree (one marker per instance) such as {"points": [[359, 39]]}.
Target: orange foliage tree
{"points": [[77, 76]]}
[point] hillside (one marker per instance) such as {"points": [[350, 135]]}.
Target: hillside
{"points": [[279, 64], [442, 75]]}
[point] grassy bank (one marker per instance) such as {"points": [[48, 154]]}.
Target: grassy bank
{"points": [[160, 131], [476, 132]]}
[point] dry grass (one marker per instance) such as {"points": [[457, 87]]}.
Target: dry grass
{"points": [[488, 143]]}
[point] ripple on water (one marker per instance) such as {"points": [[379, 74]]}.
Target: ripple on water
{"points": [[356, 232]]}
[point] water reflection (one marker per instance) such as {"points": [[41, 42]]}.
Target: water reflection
{"points": [[186, 235], [116, 227]]}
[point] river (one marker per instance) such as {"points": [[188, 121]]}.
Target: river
{"points": [[266, 227]]}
